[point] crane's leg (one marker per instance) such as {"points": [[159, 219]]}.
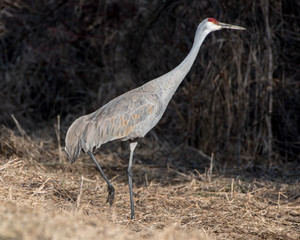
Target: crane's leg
{"points": [[129, 172], [110, 188]]}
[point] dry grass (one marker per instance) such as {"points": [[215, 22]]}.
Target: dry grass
{"points": [[68, 58], [44, 199]]}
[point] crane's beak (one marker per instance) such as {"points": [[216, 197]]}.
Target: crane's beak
{"points": [[225, 25]]}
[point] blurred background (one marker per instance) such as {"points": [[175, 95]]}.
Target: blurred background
{"points": [[240, 101]]}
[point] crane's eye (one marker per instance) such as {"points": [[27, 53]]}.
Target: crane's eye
{"points": [[212, 20]]}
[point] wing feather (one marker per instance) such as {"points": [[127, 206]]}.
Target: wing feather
{"points": [[125, 117], [128, 116]]}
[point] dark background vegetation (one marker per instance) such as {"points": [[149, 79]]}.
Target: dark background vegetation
{"points": [[240, 100]]}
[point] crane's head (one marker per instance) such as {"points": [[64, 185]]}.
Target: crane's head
{"points": [[212, 24]]}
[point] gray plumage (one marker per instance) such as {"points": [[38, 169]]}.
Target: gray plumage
{"points": [[135, 113]]}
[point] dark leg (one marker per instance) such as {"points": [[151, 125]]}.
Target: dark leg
{"points": [[129, 171], [110, 188]]}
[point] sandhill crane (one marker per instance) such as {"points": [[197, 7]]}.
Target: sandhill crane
{"points": [[134, 113]]}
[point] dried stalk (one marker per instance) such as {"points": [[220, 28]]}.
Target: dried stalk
{"points": [[268, 42]]}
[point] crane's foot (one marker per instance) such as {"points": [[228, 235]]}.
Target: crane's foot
{"points": [[132, 216], [111, 195]]}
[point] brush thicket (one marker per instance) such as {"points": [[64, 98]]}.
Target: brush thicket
{"points": [[239, 102]]}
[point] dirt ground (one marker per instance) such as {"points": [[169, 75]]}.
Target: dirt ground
{"points": [[45, 197]]}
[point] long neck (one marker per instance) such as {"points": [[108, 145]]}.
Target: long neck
{"points": [[171, 80], [187, 63]]}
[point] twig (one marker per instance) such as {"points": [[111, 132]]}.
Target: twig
{"points": [[40, 188], [202, 154], [209, 173], [268, 41], [21, 130], [179, 173], [57, 131], [11, 163], [232, 188], [80, 192], [278, 200]]}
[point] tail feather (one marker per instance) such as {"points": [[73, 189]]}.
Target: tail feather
{"points": [[72, 157], [73, 139]]}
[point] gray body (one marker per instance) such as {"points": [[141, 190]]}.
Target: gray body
{"points": [[134, 113]]}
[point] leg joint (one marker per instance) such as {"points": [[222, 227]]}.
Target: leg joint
{"points": [[129, 172], [132, 146]]}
